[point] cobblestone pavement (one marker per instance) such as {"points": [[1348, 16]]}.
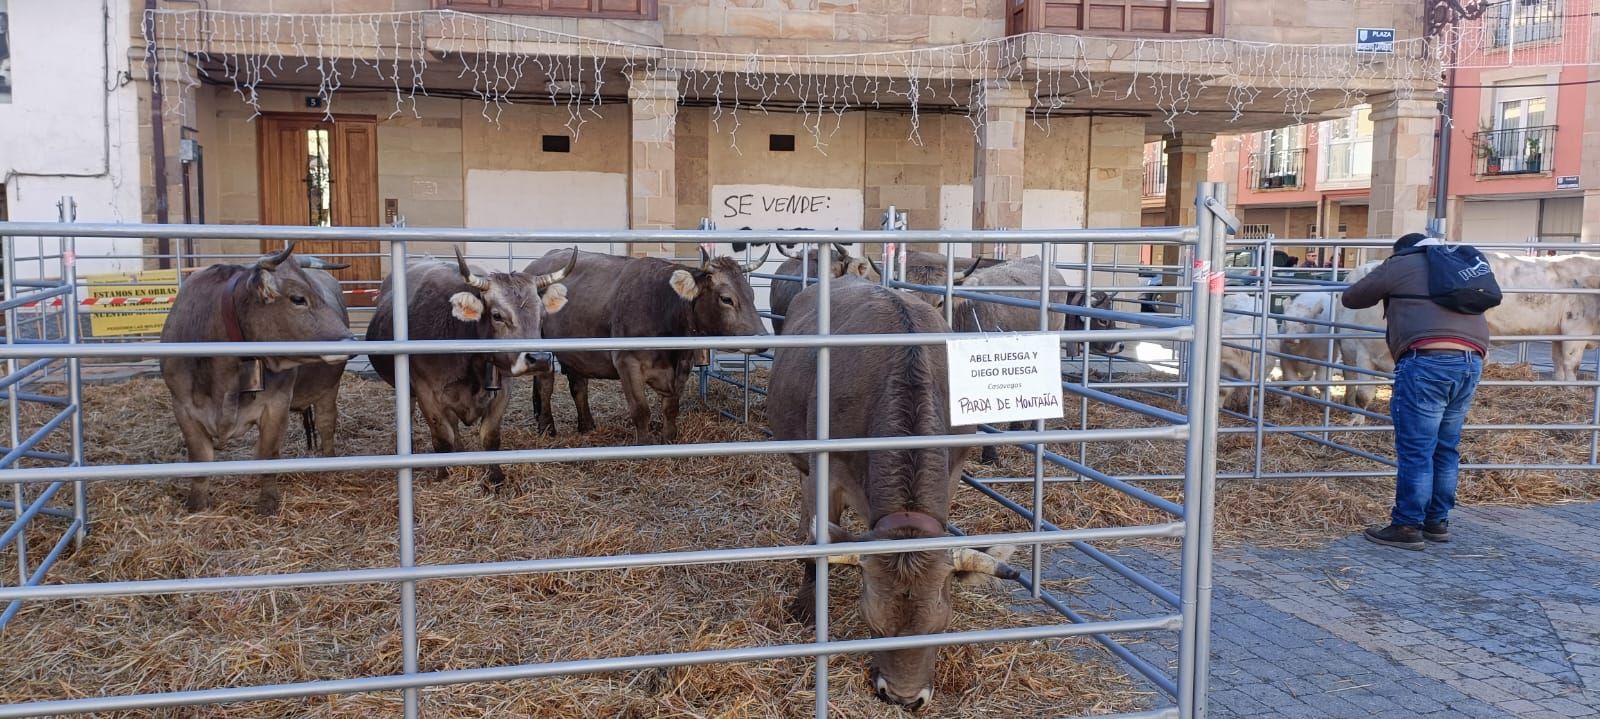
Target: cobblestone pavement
{"points": [[1502, 622]]}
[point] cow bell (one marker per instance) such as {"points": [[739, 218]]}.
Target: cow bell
{"points": [[491, 378], [254, 376]]}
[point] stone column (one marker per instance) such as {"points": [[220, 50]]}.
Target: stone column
{"points": [[997, 176], [1188, 159], [1402, 164], [652, 176]]}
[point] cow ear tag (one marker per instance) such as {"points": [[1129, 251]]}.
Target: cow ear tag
{"points": [[555, 298], [466, 306], [683, 283]]}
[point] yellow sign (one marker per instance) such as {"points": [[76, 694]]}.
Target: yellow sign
{"points": [[146, 298]]}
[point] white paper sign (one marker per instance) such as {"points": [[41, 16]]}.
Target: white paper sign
{"points": [[773, 207], [1004, 378]]}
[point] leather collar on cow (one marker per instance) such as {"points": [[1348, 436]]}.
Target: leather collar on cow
{"points": [[922, 521], [230, 315]]}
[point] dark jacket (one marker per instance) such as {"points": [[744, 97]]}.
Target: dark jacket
{"points": [[1412, 320]]}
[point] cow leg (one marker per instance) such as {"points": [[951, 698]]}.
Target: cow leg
{"points": [[443, 429], [326, 421], [200, 448], [579, 387], [631, 373], [272, 425], [544, 414], [802, 608], [489, 436], [671, 394], [1565, 358]]}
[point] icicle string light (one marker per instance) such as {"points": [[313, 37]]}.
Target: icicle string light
{"points": [[498, 61]]}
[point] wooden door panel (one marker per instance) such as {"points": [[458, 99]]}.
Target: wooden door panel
{"points": [[351, 157]]}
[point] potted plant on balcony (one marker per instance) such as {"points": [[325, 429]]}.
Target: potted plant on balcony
{"points": [[1533, 158], [1484, 147]]}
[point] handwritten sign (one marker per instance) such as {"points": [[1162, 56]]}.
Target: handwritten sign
{"points": [[772, 207], [1006, 378]]}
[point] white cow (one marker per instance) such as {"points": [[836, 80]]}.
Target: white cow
{"points": [[1308, 306], [1367, 352], [1240, 364], [1538, 313]]}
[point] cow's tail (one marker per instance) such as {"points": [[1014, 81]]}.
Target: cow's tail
{"points": [[308, 421]]}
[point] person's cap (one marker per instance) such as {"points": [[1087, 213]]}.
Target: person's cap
{"points": [[1409, 241]]}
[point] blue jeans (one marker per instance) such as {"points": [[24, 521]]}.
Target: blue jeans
{"points": [[1429, 406]]}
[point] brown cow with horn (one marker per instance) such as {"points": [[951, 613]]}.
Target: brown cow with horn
{"points": [[218, 398], [451, 301], [643, 297], [899, 494]]}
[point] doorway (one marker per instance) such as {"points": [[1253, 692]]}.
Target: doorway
{"points": [[323, 173]]}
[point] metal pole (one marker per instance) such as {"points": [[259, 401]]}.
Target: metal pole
{"points": [[402, 438], [819, 523], [949, 286], [1206, 307], [13, 409], [1088, 301], [1207, 438], [1259, 392], [80, 488], [1046, 264]]}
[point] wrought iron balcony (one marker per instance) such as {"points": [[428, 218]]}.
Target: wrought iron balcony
{"points": [[1519, 151], [1155, 178], [1278, 170], [1520, 22], [1150, 18]]}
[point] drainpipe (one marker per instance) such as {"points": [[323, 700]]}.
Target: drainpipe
{"points": [[1441, 175], [158, 140]]}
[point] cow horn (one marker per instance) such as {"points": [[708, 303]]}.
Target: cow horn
{"points": [[788, 253], [545, 280], [317, 263], [844, 252], [967, 559], [753, 266], [270, 262], [473, 281], [970, 270], [874, 265], [705, 258]]}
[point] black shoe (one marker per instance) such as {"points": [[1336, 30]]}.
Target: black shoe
{"points": [[1404, 536], [1436, 531]]}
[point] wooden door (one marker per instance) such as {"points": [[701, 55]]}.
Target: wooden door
{"points": [[325, 174]]}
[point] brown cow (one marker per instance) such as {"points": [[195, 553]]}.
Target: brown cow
{"points": [[783, 291], [904, 494], [456, 302], [219, 398], [643, 297], [928, 269], [978, 316]]}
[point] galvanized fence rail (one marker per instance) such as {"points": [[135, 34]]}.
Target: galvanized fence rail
{"points": [[1189, 605]]}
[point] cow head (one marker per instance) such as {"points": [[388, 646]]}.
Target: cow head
{"points": [[278, 302], [908, 594], [509, 305], [720, 298], [929, 275], [1101, 300], [842, 263]]}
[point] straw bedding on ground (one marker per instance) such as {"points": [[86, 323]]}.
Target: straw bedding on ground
{"points": [[146, 644]]}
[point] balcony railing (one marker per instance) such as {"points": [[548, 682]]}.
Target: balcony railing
{"points": [[1155, 178], [1116, 17], [1522, 21], [1519, 151], [608, 9], [1278, 170]]}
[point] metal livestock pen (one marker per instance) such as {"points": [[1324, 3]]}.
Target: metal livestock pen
{"points": [[36, 489]]}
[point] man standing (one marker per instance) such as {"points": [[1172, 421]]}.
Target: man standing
{"points": [[1438, 357]]}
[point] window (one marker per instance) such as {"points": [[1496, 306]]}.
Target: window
{"points": [[1516, 139], [1522, 21], [1281, 162], [1347, 147]]}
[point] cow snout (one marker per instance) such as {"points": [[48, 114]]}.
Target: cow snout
{"points": [[539, 361], [916, 702], [1114, 349]]}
